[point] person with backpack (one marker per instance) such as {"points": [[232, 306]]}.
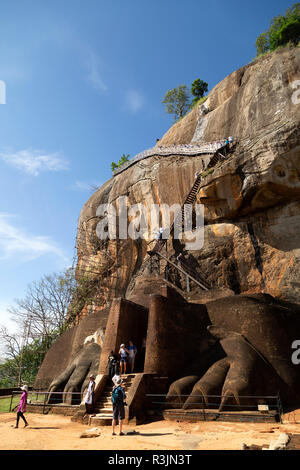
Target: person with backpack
{"points": [[117, 397], [22, 406]]}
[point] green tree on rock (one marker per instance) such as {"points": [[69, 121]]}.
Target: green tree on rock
{"points": [[198, 89], [284, 29], [177, 101], [262, 43], [114, 166]]}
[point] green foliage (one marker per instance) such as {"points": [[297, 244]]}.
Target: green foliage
{"points": [[198, 102], [198, 89], [5, 403], [262, 43], [30, 358], [284, 30], [122, 160], [289, 32], [177, 101]]}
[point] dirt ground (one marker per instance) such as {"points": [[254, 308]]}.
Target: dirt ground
{"points": [[56, 432]]}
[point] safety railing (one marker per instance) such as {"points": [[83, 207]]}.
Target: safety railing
{"points": [[206, 405], [47, 399], [187, 149], [189, 276]]}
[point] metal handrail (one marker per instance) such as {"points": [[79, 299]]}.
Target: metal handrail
{"points": [[188, 149], [44, 404], [275, 406], [182, 271]]}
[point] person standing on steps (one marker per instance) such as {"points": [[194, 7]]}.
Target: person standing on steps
{"points": [[132, 353], [117, 397], [123, 362], [113, 365], [22, 406], [89, 397]]}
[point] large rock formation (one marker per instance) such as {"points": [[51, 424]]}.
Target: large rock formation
{"points": [[251, 201]]}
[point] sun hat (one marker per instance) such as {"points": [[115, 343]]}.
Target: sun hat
{"points": [[122, 345], [92, 376], [25, 388]]}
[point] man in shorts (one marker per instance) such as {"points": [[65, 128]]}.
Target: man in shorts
{"points": [[117, 397], [123, 362]]}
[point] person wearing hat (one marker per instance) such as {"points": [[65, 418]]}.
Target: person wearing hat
{"points": [[22, 406], [117, 397], [89, 397], [124, 354]]}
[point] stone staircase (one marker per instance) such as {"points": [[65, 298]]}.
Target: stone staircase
{"points": [[103, 406]]}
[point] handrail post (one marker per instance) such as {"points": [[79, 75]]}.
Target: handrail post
{"points": [[279, 407], [12, 394], [44, 403]]}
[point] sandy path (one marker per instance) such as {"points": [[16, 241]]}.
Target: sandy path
{"points": [[55, 432]]}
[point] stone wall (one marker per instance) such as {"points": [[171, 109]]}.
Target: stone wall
{"points": [[126, 321], [66, 347]]}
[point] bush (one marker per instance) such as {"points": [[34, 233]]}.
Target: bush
{"points": [[122, 160], [283, 30]]}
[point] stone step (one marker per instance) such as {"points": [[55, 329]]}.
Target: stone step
{"points": [[103, 400], [101, 420], [107, 411]]}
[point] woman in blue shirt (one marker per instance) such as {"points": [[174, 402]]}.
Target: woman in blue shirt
{"points": [[132, 353]]}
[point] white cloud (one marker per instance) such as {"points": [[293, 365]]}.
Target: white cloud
{"points": [[16, 243], [34, 162], [135, 100], [93, 73]]}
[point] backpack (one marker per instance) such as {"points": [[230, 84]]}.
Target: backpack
{"points": [[117, 396]]}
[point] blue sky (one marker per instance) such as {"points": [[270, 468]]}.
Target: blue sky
{"points": [[84, 84]]}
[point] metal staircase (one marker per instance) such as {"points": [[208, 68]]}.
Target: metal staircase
{"points": [[186, 271], [189, 199]]}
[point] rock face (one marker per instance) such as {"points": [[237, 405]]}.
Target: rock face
{"points": [[251, 200]]}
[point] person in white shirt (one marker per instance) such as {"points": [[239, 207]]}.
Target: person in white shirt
{"points": [[89, 397]]}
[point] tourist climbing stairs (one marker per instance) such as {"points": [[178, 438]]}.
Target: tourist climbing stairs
{"points": [[103, 406]]}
